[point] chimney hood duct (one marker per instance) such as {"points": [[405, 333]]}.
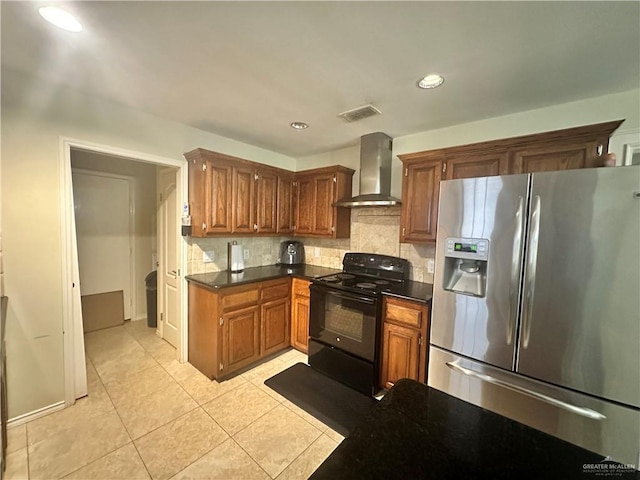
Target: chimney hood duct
{"points": [[375, 173]]}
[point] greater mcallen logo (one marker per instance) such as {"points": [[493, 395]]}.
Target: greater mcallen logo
{"points": [[607, 467]]}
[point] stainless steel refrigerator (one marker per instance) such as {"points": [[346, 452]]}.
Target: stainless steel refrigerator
{"points": [[536, 306]]}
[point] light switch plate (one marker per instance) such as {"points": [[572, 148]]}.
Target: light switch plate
{"points": [[246, 254], [208, 257]]}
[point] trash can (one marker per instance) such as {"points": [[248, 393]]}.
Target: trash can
{"points": [[151, 282]]}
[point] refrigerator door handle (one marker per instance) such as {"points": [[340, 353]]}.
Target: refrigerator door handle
{"points": [[515, 270], [532, 258], [585, 412]]}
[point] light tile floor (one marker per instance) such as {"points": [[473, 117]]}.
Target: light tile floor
{"points": [[149, 416]]}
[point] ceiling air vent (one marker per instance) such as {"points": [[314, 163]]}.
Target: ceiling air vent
{"points": [[359, 113]]}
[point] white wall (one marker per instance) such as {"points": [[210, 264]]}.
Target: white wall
{"points": [[34, 117]]}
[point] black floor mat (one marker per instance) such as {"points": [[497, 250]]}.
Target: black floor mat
{"points": [[331, 402]]}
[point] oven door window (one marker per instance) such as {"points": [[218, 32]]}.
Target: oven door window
{"points": [[345, 321]]}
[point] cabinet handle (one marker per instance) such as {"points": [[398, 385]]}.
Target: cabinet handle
{"points": [[255, 227], [204, 226], [406, 171], [444, 167], [221, 321], [599, 150], [221, 366], [403, 231]]}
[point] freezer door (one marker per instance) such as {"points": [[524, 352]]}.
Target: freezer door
{"points": [[490, 208], [581, 299], [603, 427]]}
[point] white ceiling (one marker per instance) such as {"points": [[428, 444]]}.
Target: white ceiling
{"points": [[245, 70]]}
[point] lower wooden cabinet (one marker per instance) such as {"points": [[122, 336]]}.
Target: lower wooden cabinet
{"points": [[405, 327], [300, 314], [275, 324], [231, 328], [240, 338]]}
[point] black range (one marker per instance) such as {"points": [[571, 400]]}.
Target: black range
{"points": [[345, 316]]}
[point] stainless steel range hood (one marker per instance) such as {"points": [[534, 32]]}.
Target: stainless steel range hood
{"points": [[375, 173]]}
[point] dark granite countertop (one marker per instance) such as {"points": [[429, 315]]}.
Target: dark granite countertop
{"points": [[409, 290], [224, 279], [417, 432]]}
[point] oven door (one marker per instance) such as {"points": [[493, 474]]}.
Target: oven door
{"points": [[344, 320]]}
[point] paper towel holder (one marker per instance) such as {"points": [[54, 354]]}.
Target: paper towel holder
{"points": [[235, 259]]}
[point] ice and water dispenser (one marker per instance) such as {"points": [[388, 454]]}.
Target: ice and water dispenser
{"points": [[465, 266]]}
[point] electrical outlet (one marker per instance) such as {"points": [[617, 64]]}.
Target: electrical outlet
{"points": [[246, 254], [430, 265], [316, 252], [208, 257]]}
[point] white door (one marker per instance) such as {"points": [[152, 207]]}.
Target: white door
{"points": [[168, 271], [103, 225]]}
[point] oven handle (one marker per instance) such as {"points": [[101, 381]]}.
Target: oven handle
{"points": [[369, 301]]}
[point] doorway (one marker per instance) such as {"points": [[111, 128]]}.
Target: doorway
{"points": [[74, 355]]}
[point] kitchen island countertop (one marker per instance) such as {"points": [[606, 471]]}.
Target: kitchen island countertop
{"points": [[416, 431]]}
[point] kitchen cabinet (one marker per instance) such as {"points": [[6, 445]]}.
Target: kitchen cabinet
{"points": [[469, 166], [232, 328], [405, 327], [229, 195], [285, 203], [243, 200], [316, 192], [420, 189], [266, 201], [300, 314], [557, 156], [580, 147], [275, 316]]}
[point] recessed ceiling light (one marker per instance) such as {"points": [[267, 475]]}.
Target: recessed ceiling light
{"points": [[60, 18], [432, 80], [299, 125]]}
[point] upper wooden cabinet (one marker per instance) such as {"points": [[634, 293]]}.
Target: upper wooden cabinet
{"points": [[465, 166], [316, 192], [420, 189], [284, 221], [580, 147], [243, 201], [232, 195]]}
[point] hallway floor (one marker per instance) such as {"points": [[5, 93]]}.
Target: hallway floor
{"points": [[148, 416]]}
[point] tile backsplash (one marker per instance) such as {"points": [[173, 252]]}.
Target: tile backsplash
{"points": [[373, 230]]}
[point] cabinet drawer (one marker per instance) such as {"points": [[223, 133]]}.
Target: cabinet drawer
{"points": [[301, 287], [403, 312], [240, 297], [274, 289]]}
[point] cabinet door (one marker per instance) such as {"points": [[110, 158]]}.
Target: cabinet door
{"points": [[472, 165], [275, 326], [266, 201], [324, 197], [400, 354], [304, 205], [243, 200], [241, 339], [556, 156], [285, 204], [300, 314], [217, 191], [420, 189]]}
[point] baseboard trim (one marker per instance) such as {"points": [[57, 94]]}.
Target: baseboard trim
{"points": [[41, 412]]}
